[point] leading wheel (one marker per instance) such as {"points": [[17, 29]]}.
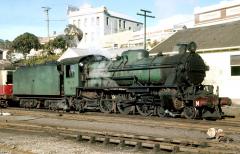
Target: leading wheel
{"points": [[190, 112]]}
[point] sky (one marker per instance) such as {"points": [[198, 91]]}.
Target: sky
{"points": [[20, 16]]}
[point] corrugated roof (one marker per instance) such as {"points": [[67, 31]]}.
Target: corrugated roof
{"points": [[215, 36]]}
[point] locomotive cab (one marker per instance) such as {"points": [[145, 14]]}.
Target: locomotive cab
{"points": [[71, 75], [77, 72]]}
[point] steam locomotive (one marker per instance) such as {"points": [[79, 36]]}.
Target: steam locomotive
{"points": [[132, 83]]}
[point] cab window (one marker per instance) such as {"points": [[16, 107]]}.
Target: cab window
{"points": [[70, 71]]}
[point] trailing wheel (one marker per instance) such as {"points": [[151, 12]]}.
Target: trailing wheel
{"points": [[190, 112], [106, 104]]}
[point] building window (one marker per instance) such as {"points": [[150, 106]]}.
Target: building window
{"points": [[69, 71], [1, 55], [92, 20], [86, 37], [85, 22], [97, 34], [79, 23], [97, 21], [124, 24], [235, 65], [129, 28], [107, 21], [74, 22], [120, 23], [115, 46], [92, 36]]}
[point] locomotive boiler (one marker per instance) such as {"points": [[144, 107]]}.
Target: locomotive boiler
{"points": [[182, 70]]}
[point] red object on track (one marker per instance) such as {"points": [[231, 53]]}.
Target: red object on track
{"points": [[6, 89]]}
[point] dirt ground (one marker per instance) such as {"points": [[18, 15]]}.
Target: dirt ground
{"points": [[28, 143], [12, 142]]}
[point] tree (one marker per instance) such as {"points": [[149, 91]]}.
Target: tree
{"points": [[72, 35], [25, 42], [8, 45], [5, 44], [59, 43], [2, 43]]}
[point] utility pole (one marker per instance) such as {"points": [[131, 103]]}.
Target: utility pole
{"points": [[145, 23], [46, 10]]}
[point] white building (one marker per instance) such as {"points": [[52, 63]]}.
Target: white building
{"points": [[97, 22], [225, 11], [216, 33], [3, 54], [131, 39]]}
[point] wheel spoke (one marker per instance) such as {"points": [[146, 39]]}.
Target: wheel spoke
{"points": [[124, 107], [106, 105], [145, 109], [161, 111]]}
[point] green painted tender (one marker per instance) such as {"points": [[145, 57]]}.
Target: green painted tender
{"points": [[37, 80]]}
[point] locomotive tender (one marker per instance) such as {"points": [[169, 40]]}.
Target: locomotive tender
{"points": [[161, 85]]}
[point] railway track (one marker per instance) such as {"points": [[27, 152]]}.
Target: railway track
{"points": [[138, 141], [157, 144]]}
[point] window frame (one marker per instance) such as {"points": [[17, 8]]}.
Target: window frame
{"points": [[107, 21], [70, 71], [1, 55], [235, 65]]}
